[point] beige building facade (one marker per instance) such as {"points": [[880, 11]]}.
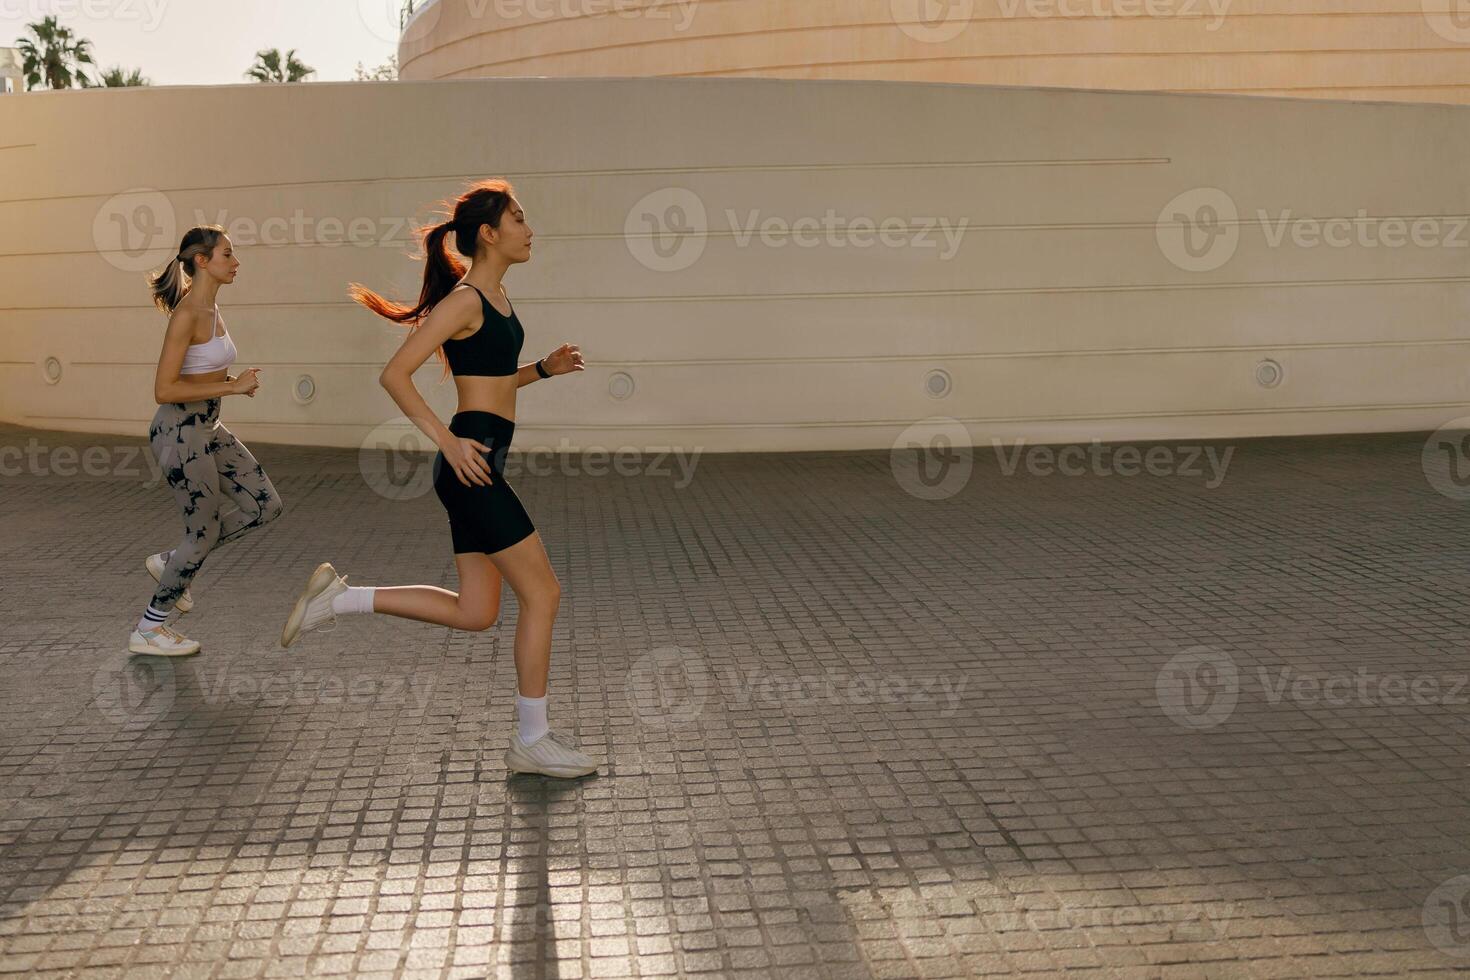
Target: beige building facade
{"points": [[747, 268], [1382, 50]]}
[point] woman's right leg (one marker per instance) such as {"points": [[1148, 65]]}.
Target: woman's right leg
{"points": [[194, 480], [476, 606]]}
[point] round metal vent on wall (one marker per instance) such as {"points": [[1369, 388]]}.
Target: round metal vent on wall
{"points": [[620, 385], [937, 383], [1269, 373], [52, 370], [305, 389]]}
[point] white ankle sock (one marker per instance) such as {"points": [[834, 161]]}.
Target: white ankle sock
{"points": [[531, 714], [357, 599]]}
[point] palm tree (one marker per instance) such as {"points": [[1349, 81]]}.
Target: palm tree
{"points": [[53, 56], [117, 77], [271, 66]]}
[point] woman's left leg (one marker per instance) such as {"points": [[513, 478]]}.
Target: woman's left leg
{"points": [[243, 482]]}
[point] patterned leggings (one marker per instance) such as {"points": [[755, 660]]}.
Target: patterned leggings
{"points": [[206, 466]]}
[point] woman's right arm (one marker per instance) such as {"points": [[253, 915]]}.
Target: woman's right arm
{"points": [[167, 386], [449, 317]]}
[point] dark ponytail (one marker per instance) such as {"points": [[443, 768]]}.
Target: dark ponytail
{"points": [[483, 203]]}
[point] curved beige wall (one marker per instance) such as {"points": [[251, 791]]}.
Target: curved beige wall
{"points": [[705, 238], [1398, 50]]}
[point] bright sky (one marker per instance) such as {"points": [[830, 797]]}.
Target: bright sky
{"points": [[213, 42]]}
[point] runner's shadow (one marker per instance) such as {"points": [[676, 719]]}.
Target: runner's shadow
{"points": [[533, 799]]}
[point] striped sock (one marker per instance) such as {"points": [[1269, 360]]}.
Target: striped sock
{"points": [[152, 619]]}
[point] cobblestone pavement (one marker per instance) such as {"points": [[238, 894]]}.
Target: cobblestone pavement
{"points": [[1174, 724]]}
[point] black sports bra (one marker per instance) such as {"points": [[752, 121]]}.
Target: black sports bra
{"points": [[490, 351]]}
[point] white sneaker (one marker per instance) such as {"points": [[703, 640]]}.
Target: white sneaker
{"points": [[162, 642], [156, 565], [553, 754], [314, 609]]}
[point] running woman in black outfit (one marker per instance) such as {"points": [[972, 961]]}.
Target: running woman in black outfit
{"points": [[457, 316]]}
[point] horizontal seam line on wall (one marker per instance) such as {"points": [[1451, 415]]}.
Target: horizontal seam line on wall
{"points": [[626, 172], [878, 294], [524, 424], [1327, 88], [885, 25], [1028, 56], [864, 358]]}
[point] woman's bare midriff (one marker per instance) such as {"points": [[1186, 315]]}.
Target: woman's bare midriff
{"points": [[213, 377], [486, 394]]}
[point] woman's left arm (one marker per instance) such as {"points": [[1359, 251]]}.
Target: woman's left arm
{"points": [[564, 360]]}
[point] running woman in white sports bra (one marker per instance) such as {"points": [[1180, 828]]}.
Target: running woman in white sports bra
{"points": [[206, 466]]}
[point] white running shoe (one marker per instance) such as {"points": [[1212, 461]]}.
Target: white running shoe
{"points": [[314, 609], [156, 565], [553, 754], [162, 642]]}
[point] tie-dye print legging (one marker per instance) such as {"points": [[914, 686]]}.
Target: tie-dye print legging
{"points": [[206, 467]]}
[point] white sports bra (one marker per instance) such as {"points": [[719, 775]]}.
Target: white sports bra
{"points": [[215, 354]]}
